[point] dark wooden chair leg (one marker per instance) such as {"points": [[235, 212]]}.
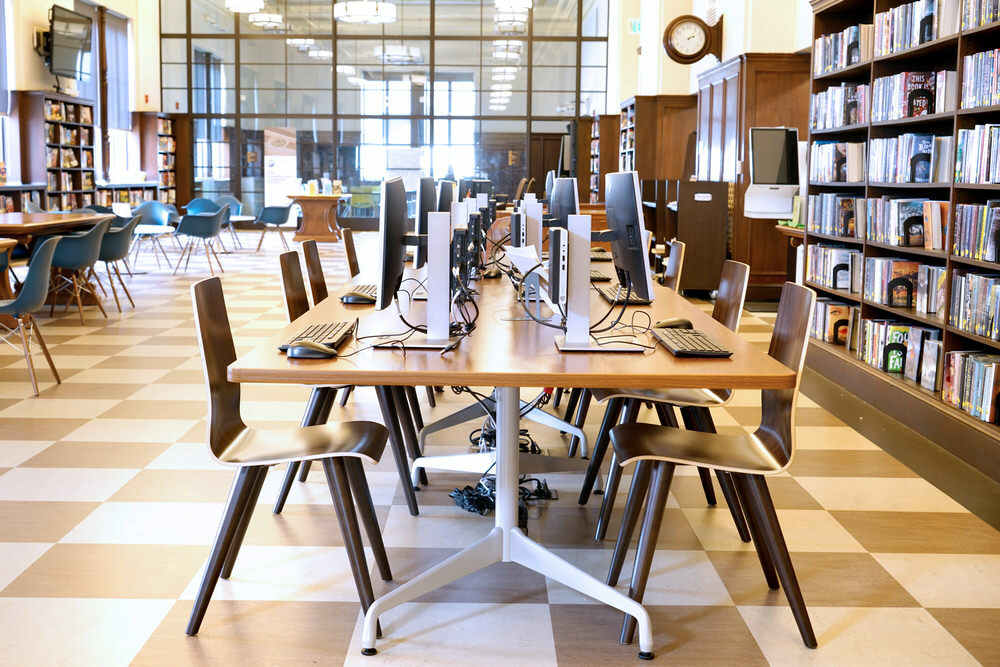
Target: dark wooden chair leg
{"points": [[583, 406], [227, 529], [707, 487], [557, 397], [611, 415], [733, 501], [574, 398], [411, 398], [757, 535], [241, 527], [366, 509], [614, 476], [388, 408], [663, 472], [346, 395], [431, 400], [636, 494], [406, 420], [759, 500], [316, 409]]}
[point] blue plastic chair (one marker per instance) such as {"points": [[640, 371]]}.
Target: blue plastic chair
{"points": [[115, 247], [156, 224], [274, 217], [28, 300], [235, 208], [75, 256], [200, 205], [204, 227]]}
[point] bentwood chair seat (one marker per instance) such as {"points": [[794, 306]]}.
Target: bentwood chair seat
{"points": [[342, 447], [748, 458]]}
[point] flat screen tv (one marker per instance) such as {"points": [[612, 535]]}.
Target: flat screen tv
{"points": [[69, 43]]}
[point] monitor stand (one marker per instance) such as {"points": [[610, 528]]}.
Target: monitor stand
{"points": [[578, 338]]}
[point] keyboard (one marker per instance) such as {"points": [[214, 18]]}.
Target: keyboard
{"points": [[600, 255], [331, 334], [689, 343], [598, 277], [367, 290], [615, 294]]}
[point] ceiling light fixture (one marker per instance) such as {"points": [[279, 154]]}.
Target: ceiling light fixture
{"points": [[507, 49], [302, 43], [244, 6], [510, 23], [265, 20], [320, 54], [513, 5], [398, 54], [505, 73], [364, 12]]}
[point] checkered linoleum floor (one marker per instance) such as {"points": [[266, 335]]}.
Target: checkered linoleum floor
{"points": [[109, 500]]}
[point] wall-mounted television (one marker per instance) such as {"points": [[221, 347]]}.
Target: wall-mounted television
{"points": [[69, 44]]}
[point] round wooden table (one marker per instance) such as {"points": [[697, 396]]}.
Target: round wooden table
{"points": [[319, 217]]}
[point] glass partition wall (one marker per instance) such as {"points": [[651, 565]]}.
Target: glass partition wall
{"points": [[450, 88]]}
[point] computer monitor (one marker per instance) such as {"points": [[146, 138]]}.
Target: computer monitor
{"points": [[774, 172], [563, 202], [426, 203], [481, 186], [624, 207], [464, 188], [519, 192], [550, 180], [447, 191], [391, 230]]}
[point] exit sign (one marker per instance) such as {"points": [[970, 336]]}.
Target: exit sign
{"points": [[634, 26]]}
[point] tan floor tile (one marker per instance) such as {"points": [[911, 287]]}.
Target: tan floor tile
{"points": [[847, 463], [125, 571], [284, 633], [69, 454], [300, 525], [883, 494], [831, 437], [131, 430], [975, 629], [182, 486], [149, 523], [84, 349], [38, 521], [63, 408], [139, 362], [157, 409], [17, 557], [921, 532], [15, 452], [947, 580], [183, 377], [123, 375], [804, 530], [574, 528], [49, 428], [588, 635], [188, 456], [786, 493], [91, 391]]}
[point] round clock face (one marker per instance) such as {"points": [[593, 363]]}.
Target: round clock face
{"points": [[688, 38]]}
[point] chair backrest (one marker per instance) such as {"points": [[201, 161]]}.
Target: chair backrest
{"points": [[107, 210], [675, 264], [153, 213], [352, 255], [118, 241], [82, 251], [201, 205], [314, 268], [296, 301], [732, 294], [519, 192], [215, 339], [275, 215], [32, 207], [530, 187], [235, 205], [204, 225], [36, 285], [789, 342]]}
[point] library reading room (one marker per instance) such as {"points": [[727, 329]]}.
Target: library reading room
{"points": [[499, 332]]}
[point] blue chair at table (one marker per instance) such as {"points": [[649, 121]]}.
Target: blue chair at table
{"points": [[115, 247], [274, 217], [75, 256], [32, 207], [30, 299], [235, 208], [203, 227], [200, 205], [155, 224]]}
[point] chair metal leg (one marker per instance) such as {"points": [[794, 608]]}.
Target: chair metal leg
{"points": [[208, 258], [318, 400], [557, 397], [663, 473], [411, 398], [45, 348], [211, 246], [241, 527], [366, 509], [336, 480], [284, 243], [114, 292], [122, 283], [346, 395], [388, 408], [755, 490], [26, 342], [431, 401], [159, 246], [238, 495], [631, 413], [583, 406], [636, 495], [611, 415]]}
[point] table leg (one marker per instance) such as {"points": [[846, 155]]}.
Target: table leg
{"points": [[507, 543]]}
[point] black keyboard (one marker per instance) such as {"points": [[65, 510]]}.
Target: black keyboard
{"points": [[331, 334], [614, 294], [600, 255], [598, 277], [690, 343]]}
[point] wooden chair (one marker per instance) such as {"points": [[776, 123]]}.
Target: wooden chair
{"points": [[748, 458], [341, 447], [694, 405], [675, 265]]}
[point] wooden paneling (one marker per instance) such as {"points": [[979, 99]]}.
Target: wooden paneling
{"points": [[584, 125], [752, 90], [543, 151]]}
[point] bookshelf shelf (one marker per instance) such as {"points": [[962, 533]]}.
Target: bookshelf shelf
{"points": [[604, 142], [972, 440], [58, 131]]}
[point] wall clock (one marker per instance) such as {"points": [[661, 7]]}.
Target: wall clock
{"points": [[688, 39]]}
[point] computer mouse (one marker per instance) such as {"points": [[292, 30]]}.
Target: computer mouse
{"points": [[307, 349], [492, 272], [673, 323], [353, 299]]}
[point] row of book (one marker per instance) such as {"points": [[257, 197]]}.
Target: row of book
{"points": [[8, 203], [831, 320], [914, 23], [931, 290], [70, 200], [910, 94], [978, 13], [837, 106], [980, 86], [971, 383], [978, 159], [68, 158], [837, 162], [167, 145], [842, 49], [891, 281], [906, 222], [976, 230], [835, 267], [70, 135], [164, 126], [66, 180], [132, 197], [899, 347], [67, 112], [167, 179], [975, 303], [911, 158], [833, 214], [170, 196]]}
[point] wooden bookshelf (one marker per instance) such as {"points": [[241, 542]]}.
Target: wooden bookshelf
{"points": [[13, 198], [57, 147], [603, 153], [132, 194], [652, 135], [972, 440], [159, 154]]}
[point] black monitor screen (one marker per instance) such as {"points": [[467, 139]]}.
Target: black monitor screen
{"points": [[774, 156], [446, 195], [563, 202], [392, 229], [70, 45], [426, 196], [621, 197]]}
